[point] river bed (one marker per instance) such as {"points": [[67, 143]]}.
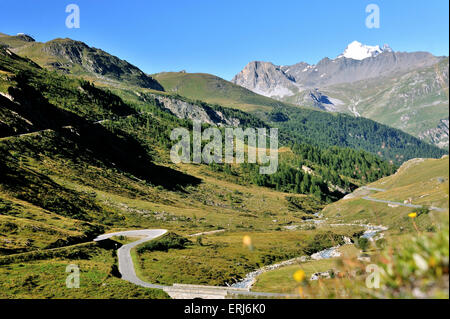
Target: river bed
{"points": [[332, 252]]}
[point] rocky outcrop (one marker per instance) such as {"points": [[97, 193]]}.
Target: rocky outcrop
{"points": [[76, 57], [193, 111], [25, 37], [100, 63], [266, 79], [439, 135]]}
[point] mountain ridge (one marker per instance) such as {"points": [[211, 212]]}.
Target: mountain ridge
{"points": [[345, 85], [77, 58], [296, 124]]}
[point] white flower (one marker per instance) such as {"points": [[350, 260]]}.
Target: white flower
{"points": [[420, 262]]}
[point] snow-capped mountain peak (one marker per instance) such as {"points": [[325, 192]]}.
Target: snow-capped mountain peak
{"points": [[359, 51]]}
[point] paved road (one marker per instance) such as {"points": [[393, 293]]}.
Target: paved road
{"points": [[374, 189], [395, 203], [360, 194], [126, 269], [402, 204]]}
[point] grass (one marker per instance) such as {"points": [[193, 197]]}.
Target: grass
{"points": [[47, 279], [222, 258], [212, 89], [425, 182], [25, 227], [411, 266], [282, 280]]}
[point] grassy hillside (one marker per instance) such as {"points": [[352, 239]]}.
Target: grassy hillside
{"points": [[421, 182], [76, 58], [212, 89], [302, 124]]}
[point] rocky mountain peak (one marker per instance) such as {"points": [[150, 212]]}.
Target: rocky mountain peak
{"points": [[358, 51], [78, 58], [97, 62], [352, 65], [264, 78], [25, 37]]}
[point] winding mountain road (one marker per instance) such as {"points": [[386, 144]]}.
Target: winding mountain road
{"points": [[401, 204], [126, 266], [395, 203], [126, 269]]}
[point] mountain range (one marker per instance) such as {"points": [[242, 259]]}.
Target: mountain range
{"points": [[406, 90], [303, 124], [85, 143]]}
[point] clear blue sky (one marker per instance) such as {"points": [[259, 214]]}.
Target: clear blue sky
{"points": [[222, 36]]}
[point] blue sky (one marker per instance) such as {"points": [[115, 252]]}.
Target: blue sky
{"points": [[222, 36]]}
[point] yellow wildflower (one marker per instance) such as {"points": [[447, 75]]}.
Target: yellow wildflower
{"points": [[247, 241], [299, 275], [431, 261]]}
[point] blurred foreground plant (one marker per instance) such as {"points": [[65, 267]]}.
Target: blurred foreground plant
{"points": [[417, 268]]}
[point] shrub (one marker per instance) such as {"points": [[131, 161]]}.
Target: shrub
{"points": [[363, 243], [431, 229], [381, 243], [164, 243], [424, 210], [323, 241]]}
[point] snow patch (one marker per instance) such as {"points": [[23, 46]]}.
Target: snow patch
{"points": [[358, 51]]}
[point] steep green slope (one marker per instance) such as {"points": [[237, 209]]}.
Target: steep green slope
{"points": [[414, 102], [422, 182], [212, 89], [329, 129], [77, 58]]}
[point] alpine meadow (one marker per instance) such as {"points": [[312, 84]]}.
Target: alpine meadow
{"points": [[321, 178]]}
